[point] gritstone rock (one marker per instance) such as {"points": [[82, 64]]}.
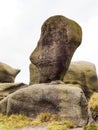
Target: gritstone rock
{"points": [[8, 88], [59, 39], [7, 73], [83, 73], [67, 101]]}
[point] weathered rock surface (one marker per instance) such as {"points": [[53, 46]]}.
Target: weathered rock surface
{"points": [[59, 39], [8, 88], [80, 72], [83, 73], [34, 74], [7, 73], [67, 101]]}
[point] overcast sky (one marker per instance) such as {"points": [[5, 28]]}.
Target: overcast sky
{"points": [[21, 20]]}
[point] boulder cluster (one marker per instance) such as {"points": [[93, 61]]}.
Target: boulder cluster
{"points": [[57, 85]]}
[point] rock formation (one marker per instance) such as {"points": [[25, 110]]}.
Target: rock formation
{"points": [[7, 73], [7, 80], [34, 74], [83, 73], [8, 88], [67, 101], [59, 39], [79, 72]]}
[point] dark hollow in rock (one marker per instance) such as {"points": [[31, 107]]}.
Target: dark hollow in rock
{"points": [[46, 106]]}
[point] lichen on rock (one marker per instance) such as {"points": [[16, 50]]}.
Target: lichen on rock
{"points": [[59, 39]]}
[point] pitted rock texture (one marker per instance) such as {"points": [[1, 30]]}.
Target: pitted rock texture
{"points": [[67, 101], [59, 39]]}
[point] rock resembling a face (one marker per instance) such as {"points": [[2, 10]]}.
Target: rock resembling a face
{"points": [[59, 39]]}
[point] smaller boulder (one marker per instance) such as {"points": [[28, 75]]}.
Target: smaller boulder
{"points": [[8, 88], [83, 73], [7, 73]]}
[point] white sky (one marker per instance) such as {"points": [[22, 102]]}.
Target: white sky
{"points": [[21, 20]]}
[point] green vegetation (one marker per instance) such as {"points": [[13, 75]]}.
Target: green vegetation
{"points": [[91, 127], [57, 127], [14, 121], [60, 125], [43, 119], [93, 105], [47, 117], [93, 102]]}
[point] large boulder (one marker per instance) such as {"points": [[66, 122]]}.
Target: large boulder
{"points": [[67, 101], [7, 73], [59, 39], [83, 73], [8, 88]]}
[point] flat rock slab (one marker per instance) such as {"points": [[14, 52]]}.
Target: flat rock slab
{"points": [[8, 88]]}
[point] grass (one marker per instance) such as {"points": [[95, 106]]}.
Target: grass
{"points": [[14, 121], [43, 119], [93, 102], [93, 105], [91, 127], [60, 125], [57, 127]]}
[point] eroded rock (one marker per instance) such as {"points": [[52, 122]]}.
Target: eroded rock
{"points": [[7, 73], [83, 73], [8, 88], [34, 74], [59, 39], [67, 101]]}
